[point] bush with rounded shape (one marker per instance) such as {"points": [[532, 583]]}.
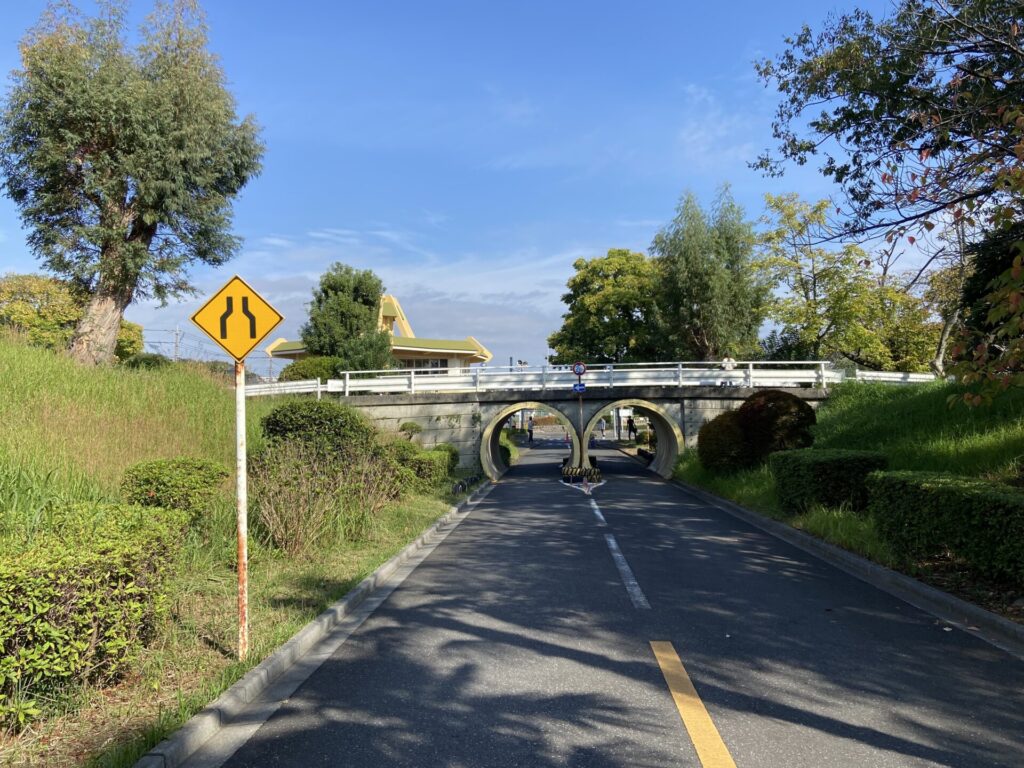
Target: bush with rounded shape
{"points": [[184, 483], [146, 361], [774, 420], [323, 422], [721, 446], [453, 456], [311, 368], [410, 429]]}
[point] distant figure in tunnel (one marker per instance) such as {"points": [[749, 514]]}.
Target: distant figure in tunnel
{"points": [[529, 429], [630, 429], [601, 425]]}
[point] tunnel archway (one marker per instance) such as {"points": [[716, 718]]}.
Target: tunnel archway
{"points": [[490, 456], [670, 437]]}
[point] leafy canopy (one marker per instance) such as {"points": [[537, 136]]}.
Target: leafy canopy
{"points": [[611, 311], [344, 320], [124, 161], [710, 301]]}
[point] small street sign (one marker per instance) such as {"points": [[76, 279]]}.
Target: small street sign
{"points": [[581, 387], [237, 318], [579, 368]]}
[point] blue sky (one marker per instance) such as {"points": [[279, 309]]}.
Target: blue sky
{"points": [[469, 152]]}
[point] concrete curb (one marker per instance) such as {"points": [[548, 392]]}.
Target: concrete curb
{"points": [[180, 745], [990, 627]]}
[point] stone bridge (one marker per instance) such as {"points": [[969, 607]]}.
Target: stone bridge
{"points": [[472, 421]]}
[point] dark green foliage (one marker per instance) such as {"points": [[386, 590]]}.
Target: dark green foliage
{"points": [[710, 301], [925, 514], [343, 320], [123, 163], [831, 478], [453, 456], [312, 368], [721, 446], [773, 420], [991, 257], [323, 422], [146, 361], [79, 602], [184, 483]]}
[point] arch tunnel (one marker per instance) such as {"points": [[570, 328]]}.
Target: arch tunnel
{"points": [[665, 424]]}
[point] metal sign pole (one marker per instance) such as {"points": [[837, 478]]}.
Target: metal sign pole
{"points": [[242, 510]]}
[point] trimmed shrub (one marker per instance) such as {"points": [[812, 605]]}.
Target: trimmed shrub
{"points": [[184, 483], [773, 420], [322, 422], [430, 467], [832, 478], [721, 447], [453, 456], [79, 603], [508, 451], [410, 429], [146, 361], [311, 368], [924, 514]]}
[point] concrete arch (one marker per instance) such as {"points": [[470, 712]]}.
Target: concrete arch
{"points": [[490, 456], [670, 437]]}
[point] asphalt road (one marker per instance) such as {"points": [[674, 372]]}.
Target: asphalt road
{"points": [[522, 641]]}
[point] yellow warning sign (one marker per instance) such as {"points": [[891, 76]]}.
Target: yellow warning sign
{"points": [[237, 318]]}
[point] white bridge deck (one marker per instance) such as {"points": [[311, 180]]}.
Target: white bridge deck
{"points": [[561, 378]]}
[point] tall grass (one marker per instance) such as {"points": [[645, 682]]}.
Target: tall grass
{"points": [[67, 433]]}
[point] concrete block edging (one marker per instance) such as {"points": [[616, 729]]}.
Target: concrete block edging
{"points": [[180, 745], [968, 617]]}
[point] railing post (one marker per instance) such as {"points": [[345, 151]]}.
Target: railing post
{"points": [[611, 376], [476, 379], [750, 375], [317, 387], [346, 383], [679, 374], [821, 375], [412, 380], [543, 378]]}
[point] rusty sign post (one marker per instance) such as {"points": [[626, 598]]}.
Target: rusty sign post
{"points": [[238, 318]]}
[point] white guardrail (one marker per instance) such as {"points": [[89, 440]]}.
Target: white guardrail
{"points": [[560, 377]]}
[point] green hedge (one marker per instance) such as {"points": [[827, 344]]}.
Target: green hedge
{"points": [[829, 477], [453, 456], [311, 368], [774, 420], [77, 604], [430, 467], [924, 514], [183, 483]]}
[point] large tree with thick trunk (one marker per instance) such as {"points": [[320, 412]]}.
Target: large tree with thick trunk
{"points": [[124, 160]]}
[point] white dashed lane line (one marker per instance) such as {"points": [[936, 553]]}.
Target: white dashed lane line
{"points": [[597, 512], [636, 595]]}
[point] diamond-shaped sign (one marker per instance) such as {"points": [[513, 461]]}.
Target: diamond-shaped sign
{"points": [[237, 318]]}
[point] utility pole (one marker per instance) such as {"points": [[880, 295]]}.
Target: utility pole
{"points": [[177, 342]]}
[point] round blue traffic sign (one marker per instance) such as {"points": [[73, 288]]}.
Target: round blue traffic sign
{"points": [[579, 369]]}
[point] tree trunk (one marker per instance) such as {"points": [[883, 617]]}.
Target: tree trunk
{"points": [[95, 338], [938, 364]]}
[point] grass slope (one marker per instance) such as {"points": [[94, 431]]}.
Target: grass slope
{"points": [[914, 426], [67, 433]]}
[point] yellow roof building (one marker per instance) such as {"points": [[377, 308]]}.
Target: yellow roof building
{"points": [[409, 350]]}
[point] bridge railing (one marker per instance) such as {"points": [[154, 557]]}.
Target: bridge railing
{"points": [[558, 377]]}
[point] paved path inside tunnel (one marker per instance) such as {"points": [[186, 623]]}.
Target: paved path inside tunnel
{"points": [[638, 626]]}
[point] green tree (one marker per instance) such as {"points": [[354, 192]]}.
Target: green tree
{"points": [[124, 162], [830, 301], [912, 115], [709, 299], [611, 311], [344, 320], [47, 310]]}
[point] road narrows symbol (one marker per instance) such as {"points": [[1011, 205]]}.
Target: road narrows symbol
{"points": [[225, 316], [250, 315], [221, 318]]}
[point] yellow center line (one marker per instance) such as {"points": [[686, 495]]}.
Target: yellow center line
{"points": [[711, 750]]}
